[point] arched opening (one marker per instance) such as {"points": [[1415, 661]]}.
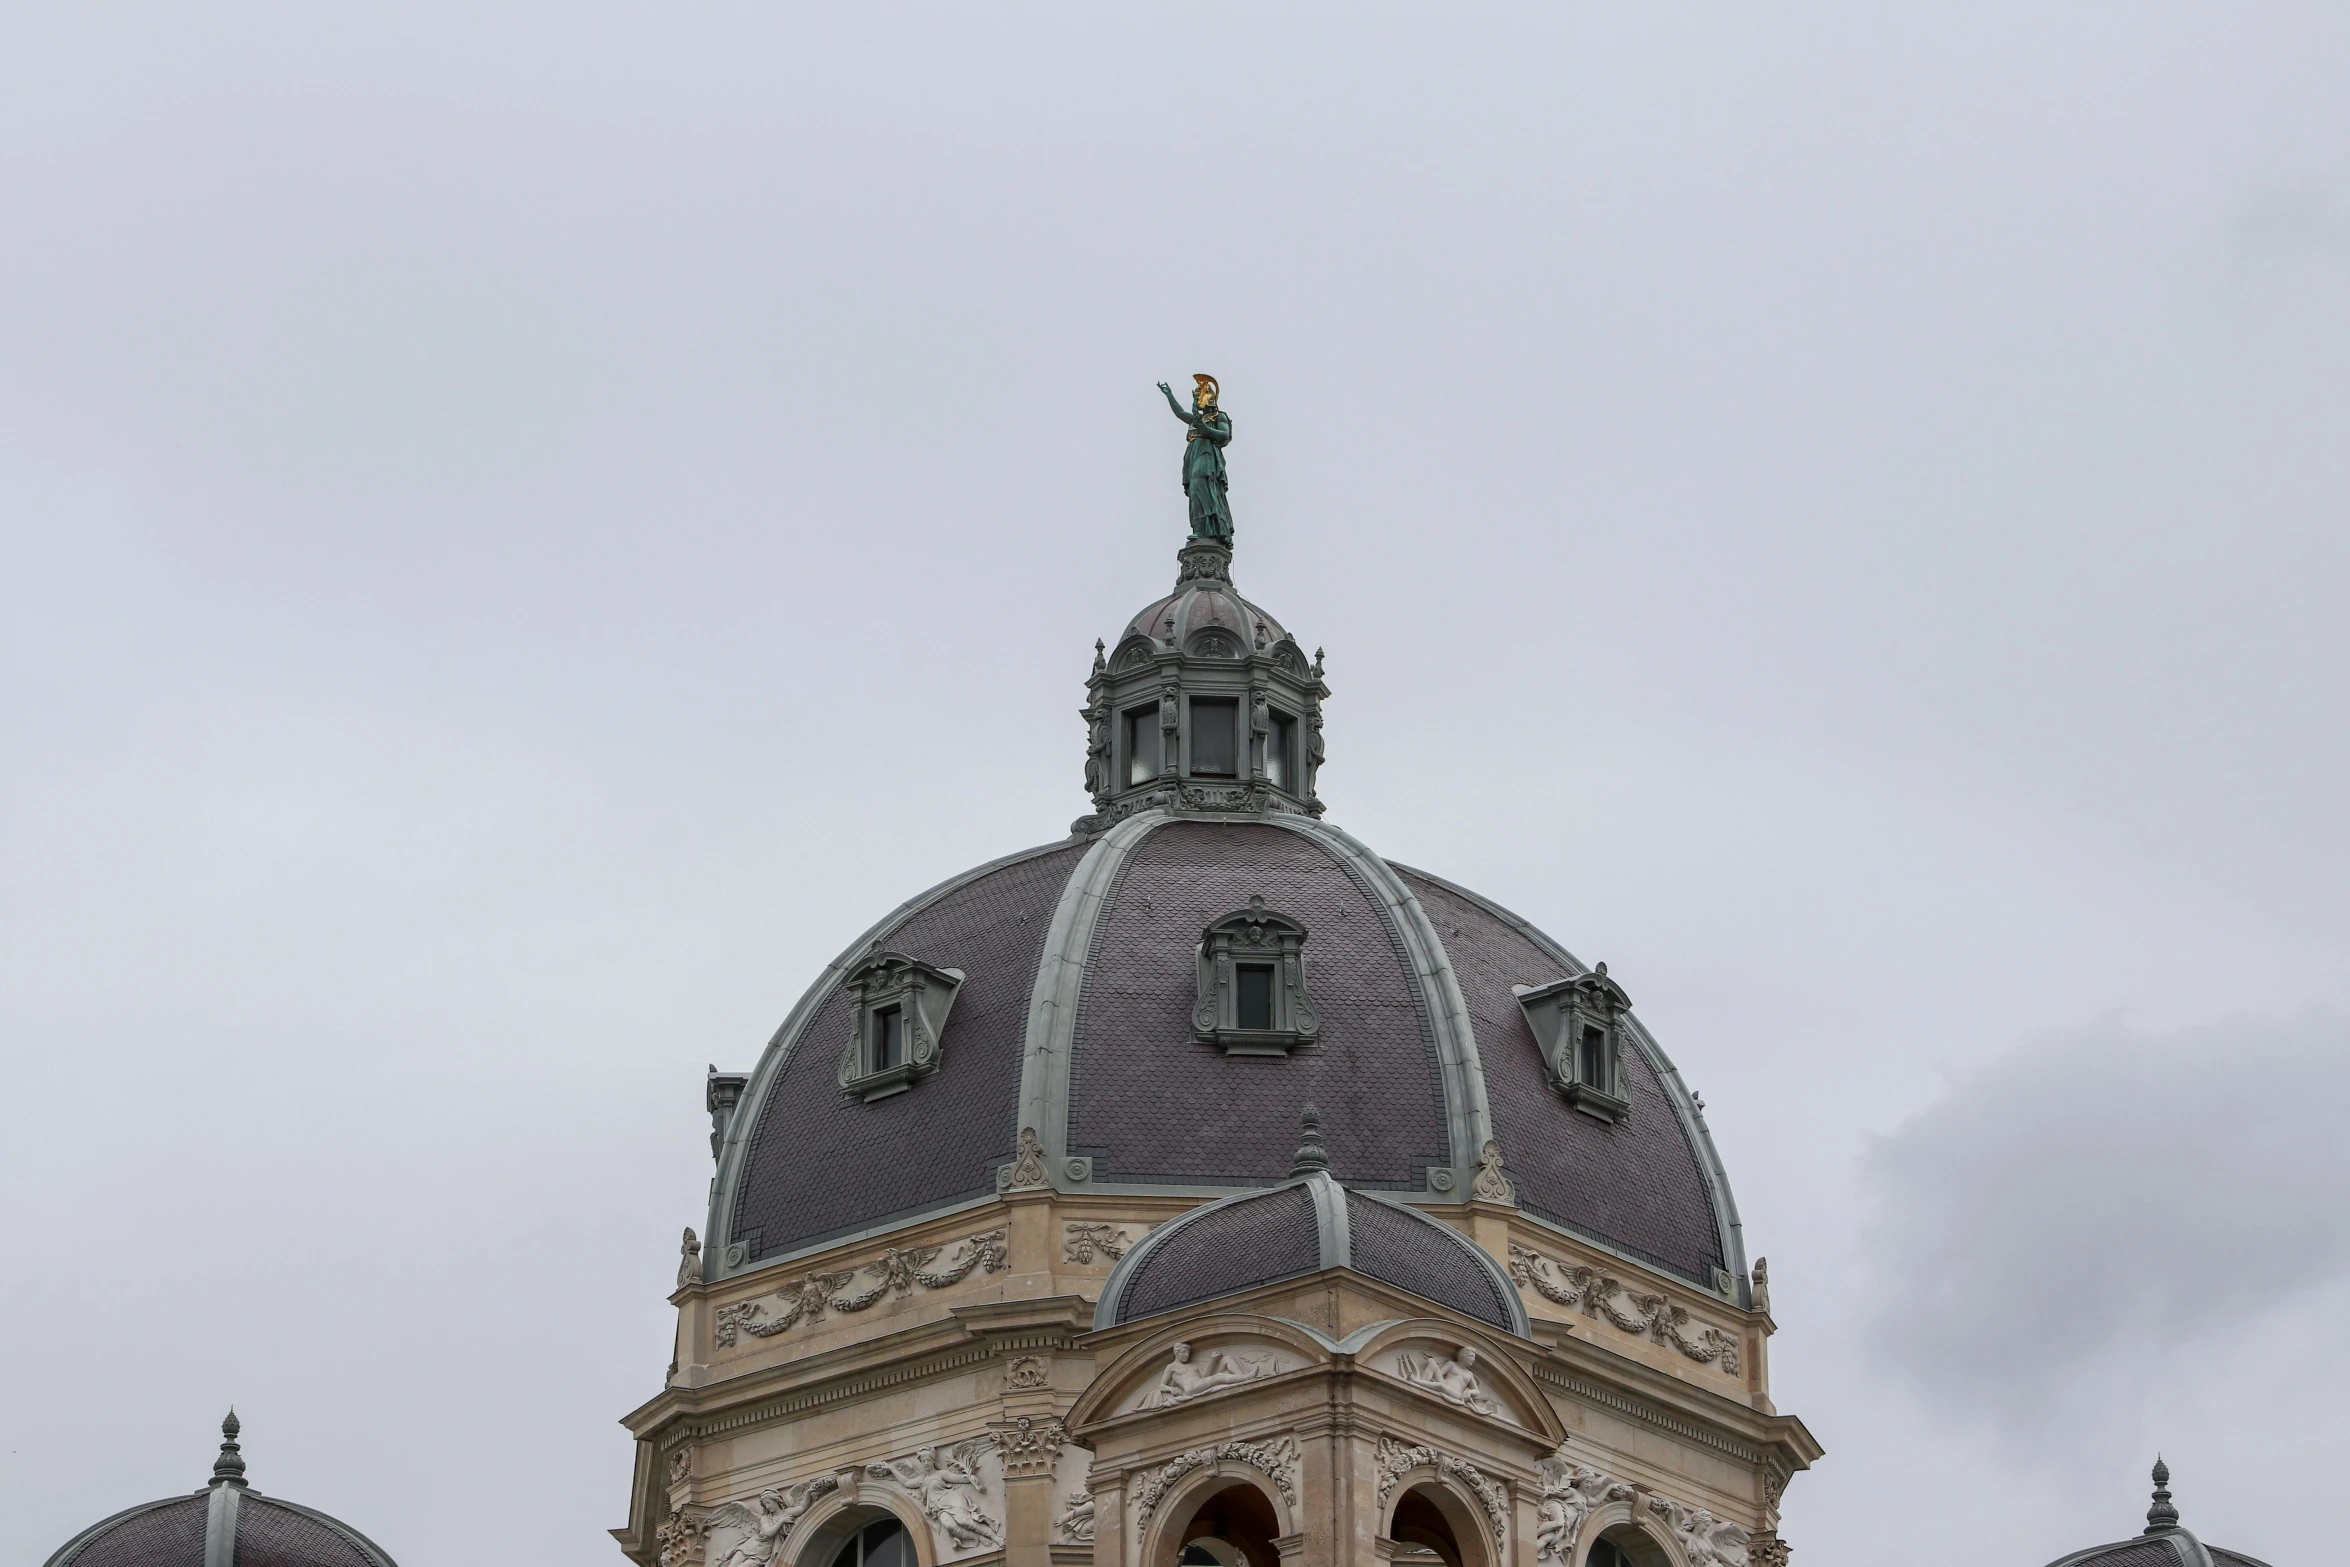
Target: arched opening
{"points": [[1233, 1527], [881, 1543], [1420, 1523], [1626, 1546]]}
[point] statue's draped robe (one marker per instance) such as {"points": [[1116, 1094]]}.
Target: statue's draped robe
{"points": [[1204, 479]]}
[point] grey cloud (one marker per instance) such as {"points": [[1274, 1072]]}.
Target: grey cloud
{"points": [[2109, 1191]]}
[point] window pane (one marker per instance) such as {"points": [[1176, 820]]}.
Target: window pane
{"points": [[1214, 736], [1255, 996], [889, 1037], [1142, 744], [1277, 752], [1594, 1066]]}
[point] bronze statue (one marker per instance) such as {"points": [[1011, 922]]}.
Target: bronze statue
{"points": [[1204, 478]]}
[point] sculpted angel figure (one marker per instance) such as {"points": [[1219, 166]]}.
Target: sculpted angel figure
{"points": [[1569, 1493], [765, 1523], [946, 1484], [1182, 1379], [1452, 1378], [1708, 1541], [1204, 478]]}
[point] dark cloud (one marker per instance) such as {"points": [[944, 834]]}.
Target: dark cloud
{"points": [[2107, 1196]]}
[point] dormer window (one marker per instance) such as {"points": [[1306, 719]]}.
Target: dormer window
{"points": [[1281, 751], [1215, 737], [897, 1018], [1579, 1025], [1252, 985]]}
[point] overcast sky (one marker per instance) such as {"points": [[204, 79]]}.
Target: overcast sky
{"points": [[527, 526]]}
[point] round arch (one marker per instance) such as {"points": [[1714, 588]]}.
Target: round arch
{"points": [[834, 1520], [1428, 1502], [1254, 1518], [1615, 1536]]}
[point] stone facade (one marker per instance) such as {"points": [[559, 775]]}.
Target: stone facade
{"points": [[971, 1398]]}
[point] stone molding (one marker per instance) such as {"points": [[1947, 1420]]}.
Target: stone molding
{"points": [[1397, 1460], [1644, 1312], [894, 1272]]}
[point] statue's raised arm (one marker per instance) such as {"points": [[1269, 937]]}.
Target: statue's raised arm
{"points": [[1204, 478]]}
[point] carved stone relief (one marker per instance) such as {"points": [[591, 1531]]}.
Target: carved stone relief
{"points": [[1027, 1371], [679, 1541], [1707, 1541], [1569, 1493], [1490, 1185], [689, 1259], [1189, 1375], [1073, 1486], [1275, 1460], [954, 1491], [1452, 1378], [1026, 1172], [1600, 1295], [1397, 1460], [894, 1272], [1030, 1445], [758, 1529], [680, 1461], [1082, 1243]]}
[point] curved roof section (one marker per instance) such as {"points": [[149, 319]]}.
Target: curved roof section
{"points": [[2162, 1544], [227, 1524], [1195, 606], [1298, 1228], [1075, 1019]]}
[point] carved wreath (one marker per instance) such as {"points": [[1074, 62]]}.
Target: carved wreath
{"points": [[1397, 1460], [1273, 1459], [895, 1272], [1596, 1294]]}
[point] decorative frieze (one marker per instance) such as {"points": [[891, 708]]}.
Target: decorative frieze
{"points": [[893, 1273], [1397, 1460], [1601, 1295], [1187, 1378], [1082, 1243], [1275, 1460], [1027, 1372]]}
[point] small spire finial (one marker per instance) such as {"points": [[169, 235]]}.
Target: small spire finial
{"points": [[1311, 1156], [229, 1467], [2162, 1517]]}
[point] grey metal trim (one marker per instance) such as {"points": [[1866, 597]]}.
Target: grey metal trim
{"points": [[1060, 985], [1468, 1118], [220, 1525], [735, 1151], [1334, 1233], [1717, 1179]]}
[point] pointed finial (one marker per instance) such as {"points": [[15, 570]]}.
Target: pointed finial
{"points": [[1098, 662], [229, 1467], [1317, 663], [2161, 1518], [1311, 1156]]}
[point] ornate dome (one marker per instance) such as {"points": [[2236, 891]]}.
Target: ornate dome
{"points": [[1157, 995], [2163, 1544], [227, 1524], [1302, 1226]]}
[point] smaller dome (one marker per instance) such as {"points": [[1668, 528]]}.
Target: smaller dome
{"points": [[1302, 1226], [2163, 1544], [227, 1524], [1204, 607]]}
